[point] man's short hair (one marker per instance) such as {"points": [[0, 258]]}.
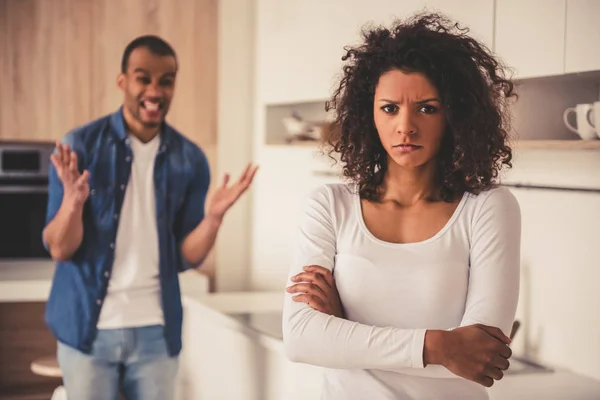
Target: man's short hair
{"points": [[153, 43]]}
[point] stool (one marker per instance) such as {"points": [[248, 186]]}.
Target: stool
{"points": [[48, 366]]}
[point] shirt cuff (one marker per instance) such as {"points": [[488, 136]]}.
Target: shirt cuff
{"points": [[418, 344]]}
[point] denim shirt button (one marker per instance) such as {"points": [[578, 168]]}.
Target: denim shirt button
{"points": [[128, 159], [93, 192], [116, 217], [112, 245], [99, 301], [122, 187]]}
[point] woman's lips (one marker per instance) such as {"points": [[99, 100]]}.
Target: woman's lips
{"points": [[406, 148]]}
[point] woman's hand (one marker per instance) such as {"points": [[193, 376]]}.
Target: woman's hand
{"points": [[316, 286], [477, 352]]}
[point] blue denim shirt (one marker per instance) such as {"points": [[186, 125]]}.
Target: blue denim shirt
{"points": [[181, 179]]}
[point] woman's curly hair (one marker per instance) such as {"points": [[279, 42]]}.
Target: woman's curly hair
{"points": [[474, 93]]}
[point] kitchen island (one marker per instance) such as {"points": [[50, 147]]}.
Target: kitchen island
{"points": [[233, 349]]}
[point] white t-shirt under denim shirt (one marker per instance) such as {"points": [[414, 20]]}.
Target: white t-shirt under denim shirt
{"points": [[465, 274], [133, 298]]}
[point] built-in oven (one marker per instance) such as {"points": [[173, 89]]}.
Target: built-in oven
{"points": [[23, 199]]}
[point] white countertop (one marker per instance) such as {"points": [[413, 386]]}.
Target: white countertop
{"points": [[22, 281], [258, 314], [25, 280]]}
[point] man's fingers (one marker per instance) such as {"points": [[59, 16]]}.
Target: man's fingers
{"points": [[60, 170], [82, 180], [59, 151], [247, 176], [65, 154], [225, 180], [245, 173], [73, 163], [250, 176]]}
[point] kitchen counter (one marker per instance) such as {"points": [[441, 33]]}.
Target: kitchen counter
{"points": [[22, 281], [257, 316], [25, 281]]}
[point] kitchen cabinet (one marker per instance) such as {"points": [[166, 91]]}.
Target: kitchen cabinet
{"points": [[238, 335], [530, 36], [300, 43], [582, 36]]}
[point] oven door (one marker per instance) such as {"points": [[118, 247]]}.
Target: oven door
{"points": [[22, 220]]}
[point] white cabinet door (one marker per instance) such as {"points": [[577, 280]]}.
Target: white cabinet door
{"points": [[583, 36], [477, 15], [300, 43], [530, 36]]}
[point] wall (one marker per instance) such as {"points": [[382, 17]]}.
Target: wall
{"points": [[59, 61], [236, 27]]}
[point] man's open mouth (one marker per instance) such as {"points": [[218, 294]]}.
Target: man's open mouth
{"points": [[152, 105]]}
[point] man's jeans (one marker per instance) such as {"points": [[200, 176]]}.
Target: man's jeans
{"points": [[131, 360]]}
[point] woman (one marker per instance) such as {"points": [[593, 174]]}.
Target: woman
{"points": [[405, 281]]}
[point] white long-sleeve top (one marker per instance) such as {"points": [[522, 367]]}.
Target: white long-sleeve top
{"points": [[392, 293]]}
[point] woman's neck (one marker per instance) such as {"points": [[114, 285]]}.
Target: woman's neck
{"points": [[407, 187]]}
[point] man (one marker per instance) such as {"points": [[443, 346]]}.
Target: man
{"points": [[126, 213]]}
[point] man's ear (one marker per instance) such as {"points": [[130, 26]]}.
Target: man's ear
{"points": [[121, 81]]}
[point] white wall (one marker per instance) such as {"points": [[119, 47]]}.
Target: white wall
{"points": [[235, 94]]}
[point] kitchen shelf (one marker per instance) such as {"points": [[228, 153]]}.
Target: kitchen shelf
{"points": [[310, 112], [558, 144]]}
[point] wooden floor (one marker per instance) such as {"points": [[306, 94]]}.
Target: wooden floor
{"points": [[42, 396], [24, 337]]}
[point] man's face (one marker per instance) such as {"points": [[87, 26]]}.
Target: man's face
{"points": [[148, 86]]}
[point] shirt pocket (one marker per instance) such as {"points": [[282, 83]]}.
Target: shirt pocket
{"points": [[100, 198]]}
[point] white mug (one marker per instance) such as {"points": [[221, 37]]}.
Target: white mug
{"points": [[593, 117], [584, 129]]}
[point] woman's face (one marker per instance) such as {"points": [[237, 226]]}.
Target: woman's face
{"points": [[409, 118]]}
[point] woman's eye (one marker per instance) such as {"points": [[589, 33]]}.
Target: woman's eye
{"points": [[428, 109], [389, 108]]}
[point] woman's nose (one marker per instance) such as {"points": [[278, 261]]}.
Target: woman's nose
{"points": [[406, 122]]}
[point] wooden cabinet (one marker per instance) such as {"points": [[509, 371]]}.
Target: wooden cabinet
{"points": [[582, 36], [530, 36], [59, 61], [24, 337]]}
